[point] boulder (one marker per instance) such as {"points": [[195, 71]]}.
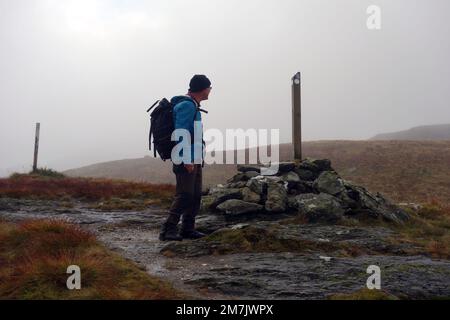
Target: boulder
{"points": [[257, 184], [323, 164], [375, 205], [249, 196], [276, 197], [209, 223], [238, 177], [223, 194], [243, 176], [251, 174], [206, 203], [302, 187], [306, 175], [291, 178], [245, 168], [309, 165], [329, 182], [238, 207], [284, 167], [319, 207], [234, 185]]}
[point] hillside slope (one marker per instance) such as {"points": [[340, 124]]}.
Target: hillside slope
{"points": [[416, 171], [431, 132]]}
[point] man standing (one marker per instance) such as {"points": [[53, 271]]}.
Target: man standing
{"points": [[188, 174]]}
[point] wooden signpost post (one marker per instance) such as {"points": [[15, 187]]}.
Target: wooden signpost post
{"points": [[296, 116]]}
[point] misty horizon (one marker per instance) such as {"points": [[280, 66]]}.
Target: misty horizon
{"points": [[87, 70]]}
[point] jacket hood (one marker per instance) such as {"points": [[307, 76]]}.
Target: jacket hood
{"points": [[177, 99]]}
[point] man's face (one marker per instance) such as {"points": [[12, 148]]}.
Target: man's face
{"points": [[205, 93]]}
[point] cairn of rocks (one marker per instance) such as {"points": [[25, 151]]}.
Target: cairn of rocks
{"points": [[310, 187]]}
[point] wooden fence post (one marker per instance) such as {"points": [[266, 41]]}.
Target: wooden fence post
{"points": [[36, 146]]}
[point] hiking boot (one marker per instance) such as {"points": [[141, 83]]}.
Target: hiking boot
{"points": [[169, 233], [194, 234]]}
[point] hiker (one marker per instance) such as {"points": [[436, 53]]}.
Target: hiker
{"points": [[187, 199]]}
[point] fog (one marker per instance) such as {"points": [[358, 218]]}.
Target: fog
{"points": [[87, 70]]}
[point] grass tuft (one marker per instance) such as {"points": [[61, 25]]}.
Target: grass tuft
{"points": [[34, 256], [49, 185]]}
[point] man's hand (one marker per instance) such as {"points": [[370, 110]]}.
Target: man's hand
{"points": [[189, 167]]}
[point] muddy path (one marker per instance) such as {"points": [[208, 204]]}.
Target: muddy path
{"points": [[192, 267]]}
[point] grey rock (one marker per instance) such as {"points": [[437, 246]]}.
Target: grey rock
{"points": [[223, 194], [239, 184], [245, 168], [251, 174], [329, 182], [249, 196], [276, 198], [315, 165], [284, 167], [309, 165], [291, 177], [270, 179], [375, 205], [323, 164], [302, 187], [207, 203], [243, 176], [240, 176], [209, 223], [306, 175], [238, 207], [257, 184], [319, 207]]}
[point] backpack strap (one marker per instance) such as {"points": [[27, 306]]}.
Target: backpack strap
{"points": [[150, 140], [153, 105], [151, 130], [197, 111]]}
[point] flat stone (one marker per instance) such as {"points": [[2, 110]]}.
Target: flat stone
{"points": [[238, 207], [223, 194]]}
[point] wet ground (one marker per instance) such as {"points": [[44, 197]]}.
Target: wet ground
{"points": [[193, 267]]}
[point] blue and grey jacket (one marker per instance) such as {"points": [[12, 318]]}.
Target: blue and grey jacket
{"points": [[185, 112]]}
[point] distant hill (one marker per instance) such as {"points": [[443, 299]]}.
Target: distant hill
{"points": [[148, 169], [431, 132], [402, 170]]}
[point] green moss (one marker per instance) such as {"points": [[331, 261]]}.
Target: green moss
{"points": [[253, 239], [427, 230]]}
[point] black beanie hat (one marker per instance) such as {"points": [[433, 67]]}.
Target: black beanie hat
{"points": [[198, 83]]}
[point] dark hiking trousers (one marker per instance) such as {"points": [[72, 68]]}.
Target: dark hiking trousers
{"points": [[188, 195]]}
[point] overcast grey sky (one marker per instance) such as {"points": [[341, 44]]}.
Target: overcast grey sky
{"points": [[88, 69]]}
